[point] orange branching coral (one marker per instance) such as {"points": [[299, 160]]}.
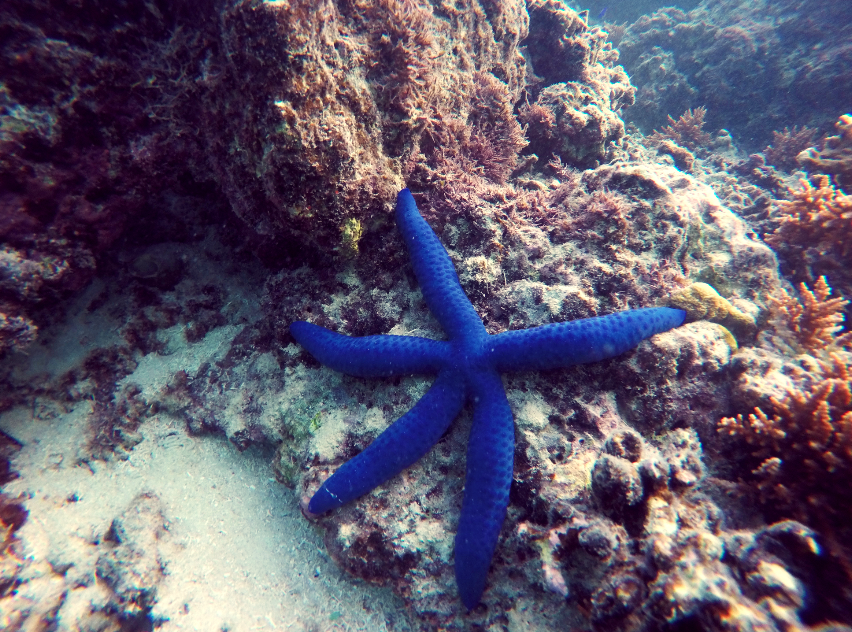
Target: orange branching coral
{"points": [[815, 217], [814, 321], [687, 131], [787, 145], [836, 157], [804, 443]]}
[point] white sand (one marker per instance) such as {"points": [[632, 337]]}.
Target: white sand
{"points": [[238, 554]]}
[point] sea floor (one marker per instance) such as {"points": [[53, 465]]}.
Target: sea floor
{"points": [[176, 530]]}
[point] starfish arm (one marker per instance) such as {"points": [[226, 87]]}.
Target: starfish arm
{"points": [[435, 272], [371, 356], [399, 446], [490, 453], [579, 341]]}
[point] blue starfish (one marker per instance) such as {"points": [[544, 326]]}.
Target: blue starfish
{"points": [[468, 366]]}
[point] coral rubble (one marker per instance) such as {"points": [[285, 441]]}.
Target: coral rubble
{"points": [[34, 594]]}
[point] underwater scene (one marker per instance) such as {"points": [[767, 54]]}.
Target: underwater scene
{"points": [[415, 315]]}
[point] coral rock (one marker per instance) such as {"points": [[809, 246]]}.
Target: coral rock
{"points": [[131, 566], [616, 483], [16, 332], [683, 158], [322, 126], [579, 123]]}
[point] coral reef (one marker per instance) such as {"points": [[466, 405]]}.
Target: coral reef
{"points": [[796, 446], [84, 148], [575, 117], [687, 131], [734, 57], [787, 145], [663, 549], [835, 158], [564, 247], [796, 443], [394, 95], [814, 232], [803, 444], [291, 126], [491, 449], [811, 323]]}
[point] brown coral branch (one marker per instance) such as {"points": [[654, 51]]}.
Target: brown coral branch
{"points": [[804, 442], [687, 131], [836, 157], [815, 217], [814, 321], [787, 145]]}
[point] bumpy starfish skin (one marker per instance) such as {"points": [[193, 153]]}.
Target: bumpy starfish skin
{"points": [[468, 366]]}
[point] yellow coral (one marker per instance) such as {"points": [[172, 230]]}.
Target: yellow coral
{"points": [[702, 302]]}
